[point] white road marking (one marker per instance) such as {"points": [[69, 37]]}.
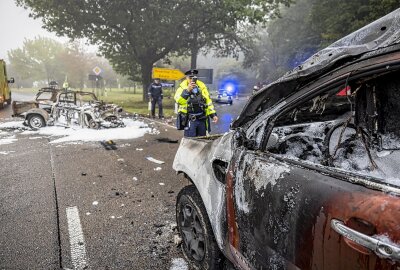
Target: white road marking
{"points": [[76, 239], [179, 264]]}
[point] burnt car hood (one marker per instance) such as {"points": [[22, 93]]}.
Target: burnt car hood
{"points": [[376, 38]]}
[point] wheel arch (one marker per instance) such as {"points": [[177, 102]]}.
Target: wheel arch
{"points": [[38, 111], [213, 198]]}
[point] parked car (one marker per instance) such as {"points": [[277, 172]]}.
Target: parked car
{"points": [[309, 176], [67, 107]]}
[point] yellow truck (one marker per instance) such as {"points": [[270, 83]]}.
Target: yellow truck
{"points": [[5, 91]]}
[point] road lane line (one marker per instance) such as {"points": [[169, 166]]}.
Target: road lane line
{"points": [[76, 239]]}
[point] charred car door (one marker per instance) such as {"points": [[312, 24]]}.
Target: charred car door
{"points": [[288, 208]]}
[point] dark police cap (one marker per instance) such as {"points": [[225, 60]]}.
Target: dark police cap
{"points": [[192, 72]]}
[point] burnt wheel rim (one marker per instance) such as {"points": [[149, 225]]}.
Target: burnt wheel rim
{"points": [[192, 232], [93, 124], [36, 122]]}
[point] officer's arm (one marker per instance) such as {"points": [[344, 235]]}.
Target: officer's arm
{"points": [[149, 90], [181, 95], [210, 105]]}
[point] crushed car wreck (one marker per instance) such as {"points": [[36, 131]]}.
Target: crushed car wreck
{"points": [[67, 107], [308, 177]]}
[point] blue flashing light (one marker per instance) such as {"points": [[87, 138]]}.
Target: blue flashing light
{"points": [[230, 87]]}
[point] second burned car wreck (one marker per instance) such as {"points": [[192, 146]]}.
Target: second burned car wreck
{"points": [[67, 107], [308, 178]]}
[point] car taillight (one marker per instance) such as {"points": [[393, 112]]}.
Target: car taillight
{"points": [[344, 92]]}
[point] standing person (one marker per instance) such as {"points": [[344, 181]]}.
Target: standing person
{"points": [[155, 93], [196, 105]]}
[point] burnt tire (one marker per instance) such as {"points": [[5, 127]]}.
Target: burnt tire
{"points": [[198, 241], [36, 121]]}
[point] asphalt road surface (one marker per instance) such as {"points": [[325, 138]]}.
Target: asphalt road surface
{"points": [[80, 206]]}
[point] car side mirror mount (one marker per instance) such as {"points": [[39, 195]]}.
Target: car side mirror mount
{"points": [[11, 80]]}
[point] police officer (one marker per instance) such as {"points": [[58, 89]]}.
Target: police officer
{"points": [[155, 93], [195, 102]]}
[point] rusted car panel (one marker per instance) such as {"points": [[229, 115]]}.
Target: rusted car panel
{"points": [[309, 177], [284, 214]]}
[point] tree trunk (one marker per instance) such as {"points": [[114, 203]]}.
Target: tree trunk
{"points": [[193, 57], [146, 78]]}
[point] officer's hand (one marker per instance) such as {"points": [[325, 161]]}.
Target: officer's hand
{"points": [[191, 86], [215, 119]]}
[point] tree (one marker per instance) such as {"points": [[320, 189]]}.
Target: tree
{"points": [[43, 59], [334, 19], [133, 35], [37, 59], [222, 26], [284, 44], [306, 27]]}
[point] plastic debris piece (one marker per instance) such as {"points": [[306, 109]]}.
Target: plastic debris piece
{"points": [[155, 160], [167, 140]]}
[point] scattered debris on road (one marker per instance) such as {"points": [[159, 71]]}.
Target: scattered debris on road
{"points": [[6, 152], [155, 160], [167, 140], [179, 264], [109, 145]]}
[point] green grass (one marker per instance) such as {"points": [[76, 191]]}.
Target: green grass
{"points": [[133, 102], [129, 101]]}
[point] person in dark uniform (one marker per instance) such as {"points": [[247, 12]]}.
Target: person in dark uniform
{"points": [[195, 103], [155, 93]]}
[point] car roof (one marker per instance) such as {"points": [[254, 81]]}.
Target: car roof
{"points": [[374, 39]]}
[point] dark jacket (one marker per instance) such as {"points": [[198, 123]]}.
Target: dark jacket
{"points": [[155, 91]]}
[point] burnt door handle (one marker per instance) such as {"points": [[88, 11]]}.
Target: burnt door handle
{"points": [[382, 249]]}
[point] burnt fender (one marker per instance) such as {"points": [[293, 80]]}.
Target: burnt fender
{"points": [[39, 111], [195, 158]]}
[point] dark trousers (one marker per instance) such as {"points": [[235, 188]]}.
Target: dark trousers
{"points": [[154, 101], [196, 128]]}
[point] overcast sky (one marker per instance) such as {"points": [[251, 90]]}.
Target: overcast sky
{"points": [[15, 26]]}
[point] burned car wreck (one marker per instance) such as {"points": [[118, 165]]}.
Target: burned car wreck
{"points": [[309, 176], [66, 107]]}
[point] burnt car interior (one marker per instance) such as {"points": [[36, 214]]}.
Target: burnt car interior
{"points": [[354, 127]]}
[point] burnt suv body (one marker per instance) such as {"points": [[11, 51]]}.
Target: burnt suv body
{"points": [[309, 175]]}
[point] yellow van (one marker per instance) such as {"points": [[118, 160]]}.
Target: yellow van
{"points": [[5, 91]]}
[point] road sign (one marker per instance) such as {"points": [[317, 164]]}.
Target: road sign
{"points": [[94, 77], [167, 74], [205, 75], [97, 70]]}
